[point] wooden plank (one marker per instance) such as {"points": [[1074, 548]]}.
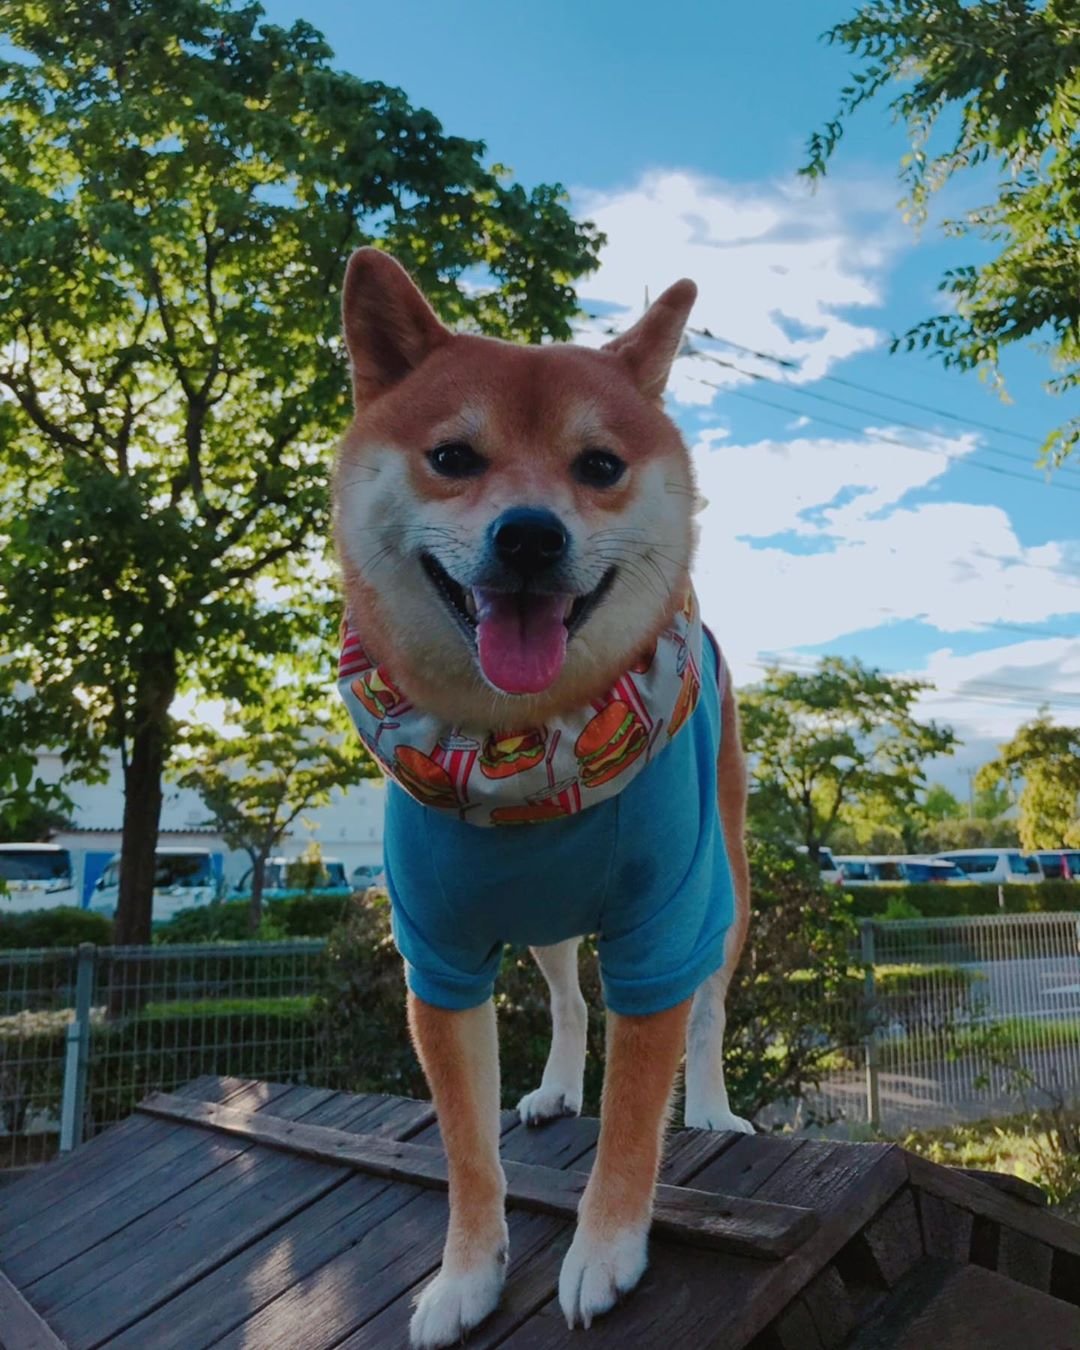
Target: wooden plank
{"points": [[367, 1292], [829, 1303], [993, 1205], [727, 1223], [238, 1286], [967, 1308], [746, 1164], [795, 1328], [692, 1297], [1025, 1259], [1065, 1277], [21, 1328], [946, 1228], [115, 1148], [688, 1152], [123, 1225], [94, 1299], [1005, 1181], [891, 1243]]}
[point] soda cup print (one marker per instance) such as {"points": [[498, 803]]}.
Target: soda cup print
{"points": [[457, 755], [566, 795]]}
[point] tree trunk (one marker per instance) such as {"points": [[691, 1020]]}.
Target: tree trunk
{"points": [[142, 803]]}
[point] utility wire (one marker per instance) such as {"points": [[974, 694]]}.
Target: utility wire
{"points": [[869, 389]]}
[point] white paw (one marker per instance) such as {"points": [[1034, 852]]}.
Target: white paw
{"points": [[549, 1103], [716, 1118], [596, 1273], [452, 1305]]}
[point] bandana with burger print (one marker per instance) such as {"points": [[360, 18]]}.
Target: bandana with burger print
{"points": [[540, 773]]}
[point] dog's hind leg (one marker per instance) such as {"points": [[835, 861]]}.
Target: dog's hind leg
{"points": [[560, 1090], [459, 1052], [707, 1106]]}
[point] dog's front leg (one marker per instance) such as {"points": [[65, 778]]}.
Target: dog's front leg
{"points": [[609, 1252], [459, 1052]]}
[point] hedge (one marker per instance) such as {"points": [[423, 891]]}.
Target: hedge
{"points": [[956, 899], [53, 928], [300, 915]]}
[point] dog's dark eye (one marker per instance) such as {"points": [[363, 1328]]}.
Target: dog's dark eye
{"points": [[456, 460], [598, 468]]}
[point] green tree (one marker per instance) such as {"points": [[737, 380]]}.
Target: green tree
{"points": [[828, 740], [938, 803], [984, 84], [180, 186], [275, 762], [1042, 761]]}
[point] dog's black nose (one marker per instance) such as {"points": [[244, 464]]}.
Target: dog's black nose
{"points": [[529, 540]]}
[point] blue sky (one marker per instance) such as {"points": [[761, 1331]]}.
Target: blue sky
{"points": [[933, 547]]}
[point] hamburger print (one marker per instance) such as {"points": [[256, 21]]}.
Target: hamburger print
{"points": [[504, 756], [423, 779], [376, 692], [687, 699], [610, 743]]}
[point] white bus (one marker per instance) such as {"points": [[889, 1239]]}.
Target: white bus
{"points": [[183, 878], [37, 876]]}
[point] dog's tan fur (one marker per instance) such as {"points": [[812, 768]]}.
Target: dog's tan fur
{"points": [[530, 410]]}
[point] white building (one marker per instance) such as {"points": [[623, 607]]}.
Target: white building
{"points": [[349, 828]]}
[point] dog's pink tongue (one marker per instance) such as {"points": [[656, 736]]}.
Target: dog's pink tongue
{"points": [[521, 640]]}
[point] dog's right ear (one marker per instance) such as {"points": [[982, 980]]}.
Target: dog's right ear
{"points": [[389, 327]]}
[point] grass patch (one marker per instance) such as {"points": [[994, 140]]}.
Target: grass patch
{"points": [[291, 1005]]}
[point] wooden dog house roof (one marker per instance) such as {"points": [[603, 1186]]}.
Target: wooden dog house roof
{"points": [[276, 1217]]}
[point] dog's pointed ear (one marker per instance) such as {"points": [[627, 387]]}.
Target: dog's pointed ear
{"points": [[389, 327], [648, 349]]}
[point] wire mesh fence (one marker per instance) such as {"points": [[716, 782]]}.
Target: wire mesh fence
{"points": [[86, 1033], [37, 996], [945, 1020], [954, 1020]]}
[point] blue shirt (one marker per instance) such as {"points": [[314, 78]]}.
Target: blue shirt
{"points": [[646, 871]]}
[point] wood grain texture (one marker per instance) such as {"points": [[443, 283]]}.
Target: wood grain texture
{"points": [[21, 1327], [701, 1218]]}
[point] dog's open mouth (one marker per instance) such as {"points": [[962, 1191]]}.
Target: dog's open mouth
{"points": [[520, 636]]}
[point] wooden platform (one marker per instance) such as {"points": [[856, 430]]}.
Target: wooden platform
{"points": [[271, 1217]]}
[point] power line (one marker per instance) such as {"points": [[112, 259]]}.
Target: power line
{"points": [[869, 389], [800, 390], [881, 436]]}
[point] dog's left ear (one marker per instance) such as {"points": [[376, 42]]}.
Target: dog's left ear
{"points": [[649, 348]]}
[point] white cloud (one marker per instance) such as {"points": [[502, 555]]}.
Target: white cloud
{"points": [[775, 264], [986, 694], [807, 540]]}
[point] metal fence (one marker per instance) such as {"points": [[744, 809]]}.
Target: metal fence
{"points": [[954, 1020], [86, 1033], [946, 1020]]}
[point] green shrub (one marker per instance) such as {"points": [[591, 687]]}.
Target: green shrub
{"points": [[933, 900], [300, 915], [53, 928]]}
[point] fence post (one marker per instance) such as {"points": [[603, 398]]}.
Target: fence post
{"points": [[73, 1101], [873, 1087]]}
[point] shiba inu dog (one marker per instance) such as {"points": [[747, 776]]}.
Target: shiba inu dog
{"points": [[524, 655]]}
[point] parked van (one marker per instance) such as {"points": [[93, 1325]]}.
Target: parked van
{"points": [[830, 873], [37, 876], [1059, 864], [996, 865], [906, 869], [292, 876], [183, 878]]}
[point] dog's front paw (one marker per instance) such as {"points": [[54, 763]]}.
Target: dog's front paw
{"points": [[596, 1272], [706, 1117], [549, 1103], [452, 1304]]}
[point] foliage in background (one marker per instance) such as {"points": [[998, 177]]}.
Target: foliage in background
{"points": [[283, 917], [833, 739], [942, 901], [53, 928], [1042, 762], [984, 85], [180, 186], [777, 1039], [277, 760]]}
